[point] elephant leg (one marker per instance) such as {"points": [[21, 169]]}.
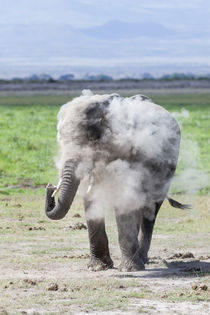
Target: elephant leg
{"points": [[145, 232], [99, 249], [128, 229]]}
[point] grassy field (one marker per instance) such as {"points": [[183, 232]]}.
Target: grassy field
{"points": [[28, 137], [43, 263]]}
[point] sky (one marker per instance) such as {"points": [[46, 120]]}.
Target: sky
{"points": [[27, 28], [177, 14]]}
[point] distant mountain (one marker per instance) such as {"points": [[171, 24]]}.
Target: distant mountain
{"points": [[115, 48], [113, 30]]}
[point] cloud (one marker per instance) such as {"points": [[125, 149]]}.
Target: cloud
{"points": [[88, 2], [92, 12], [45, 12], [146, 4], [165, 4]]}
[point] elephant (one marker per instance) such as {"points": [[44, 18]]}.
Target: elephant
{"points": [[125, 150]]}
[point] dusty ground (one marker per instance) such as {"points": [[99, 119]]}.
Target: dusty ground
{"points": [[43, 264]]}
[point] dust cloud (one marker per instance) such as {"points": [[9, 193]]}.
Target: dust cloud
{"points": [[125, 149], [191, 177]]}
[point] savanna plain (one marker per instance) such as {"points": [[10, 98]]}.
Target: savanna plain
{"points": [[43, 263]]}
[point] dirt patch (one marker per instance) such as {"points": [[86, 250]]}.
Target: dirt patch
{"points": [[35, 228], [53, 287], [29, 281], [202, 286], [17, 205], [78, 226], [5, 199], [47, 269], [27, 184], [161, 307], [82, 256], [181, 255], [153, 290], [76, 215], [205, 257]]}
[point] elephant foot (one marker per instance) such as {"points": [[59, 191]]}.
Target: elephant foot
{"points": [[143, 254], [145, 258], [96, 264], [130, 265]]}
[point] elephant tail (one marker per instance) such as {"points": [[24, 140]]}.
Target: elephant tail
{"points": [[177, 204]]}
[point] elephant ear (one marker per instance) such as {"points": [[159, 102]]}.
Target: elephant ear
{"points": [[95, 122]]}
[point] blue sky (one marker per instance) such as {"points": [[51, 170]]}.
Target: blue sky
{"points": [[190, 19], [178, 14]]}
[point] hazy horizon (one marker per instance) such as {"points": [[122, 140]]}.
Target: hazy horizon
{"points": [[84, 36]]}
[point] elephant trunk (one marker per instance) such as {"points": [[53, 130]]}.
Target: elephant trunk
{"points": [[68, 189]]}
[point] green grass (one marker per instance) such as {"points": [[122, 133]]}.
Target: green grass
{"points": [[28, 134], [195, 220], [28, 137]]}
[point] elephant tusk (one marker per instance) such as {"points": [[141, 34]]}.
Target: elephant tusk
{"points": [[57, 188], [90, 185], [89, 189]]}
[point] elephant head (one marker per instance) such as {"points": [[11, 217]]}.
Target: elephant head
{"points": [[82, 126], [68, 188]]}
